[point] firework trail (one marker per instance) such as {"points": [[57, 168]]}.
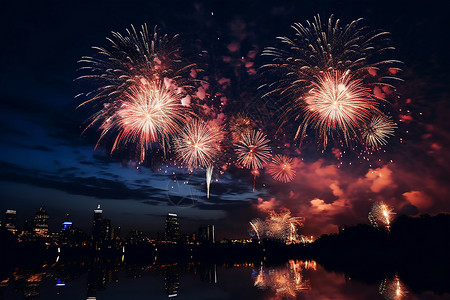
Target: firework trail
{"points": [[377, 131], [198, 146], [282, 168], [286, 281], [255, 228], [253, 152], [138, 88], [381, 215], [328, 75], [209, 171]]}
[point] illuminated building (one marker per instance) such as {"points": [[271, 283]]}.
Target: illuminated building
{"points": [[101, 228], [206, 234], [97, 224], [172, 232], [67, 225], [10, 220], [40, 223]]}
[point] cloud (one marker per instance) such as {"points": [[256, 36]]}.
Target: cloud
{"points": [[418, 199]]}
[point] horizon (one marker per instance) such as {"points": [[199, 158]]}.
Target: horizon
{"points": [[47, 160]]}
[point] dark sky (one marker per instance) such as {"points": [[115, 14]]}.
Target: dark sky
{"points": [[45, 160]]}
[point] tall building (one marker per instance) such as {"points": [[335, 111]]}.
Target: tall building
{"points": [[40, 223], [172, 232], [206, 234], [10, 220], [97, 224]]}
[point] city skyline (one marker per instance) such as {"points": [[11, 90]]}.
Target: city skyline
{"points": [[47, 160]]}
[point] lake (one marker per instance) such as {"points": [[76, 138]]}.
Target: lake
{"points": [[121, 278]]}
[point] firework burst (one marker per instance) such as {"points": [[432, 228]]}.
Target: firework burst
{"points": [[335, 104], [280, 226], [376, 132], [282, 168], [327, 77], [198, 145], [381, 215], [138, 88], [253, 150], [145, 114]]}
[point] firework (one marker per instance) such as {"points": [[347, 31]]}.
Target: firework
{"points": [[392, 289], [286, 281], [280, 226], [377, 131], [138, 88], [282, 168], [209, 171], [253, 150], [381, 215], [328, 75], [198, 145], [129, 58], [335, 104]]}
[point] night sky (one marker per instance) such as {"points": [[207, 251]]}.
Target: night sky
{"points": [[46, 160]]}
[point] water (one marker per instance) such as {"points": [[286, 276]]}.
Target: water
{"points": [[123, 279]]}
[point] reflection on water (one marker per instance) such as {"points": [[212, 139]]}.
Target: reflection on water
{"points": [[287, 280], [120, 279]]}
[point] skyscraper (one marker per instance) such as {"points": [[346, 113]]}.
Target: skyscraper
{"points": [[40, 223], [97, 224], [172, 228], [10, 220]]}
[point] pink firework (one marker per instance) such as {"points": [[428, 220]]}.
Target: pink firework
{"points": [[147, 113], [282, 168], [336, 104], [198, 145], [253, 150], [138, 80]]}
